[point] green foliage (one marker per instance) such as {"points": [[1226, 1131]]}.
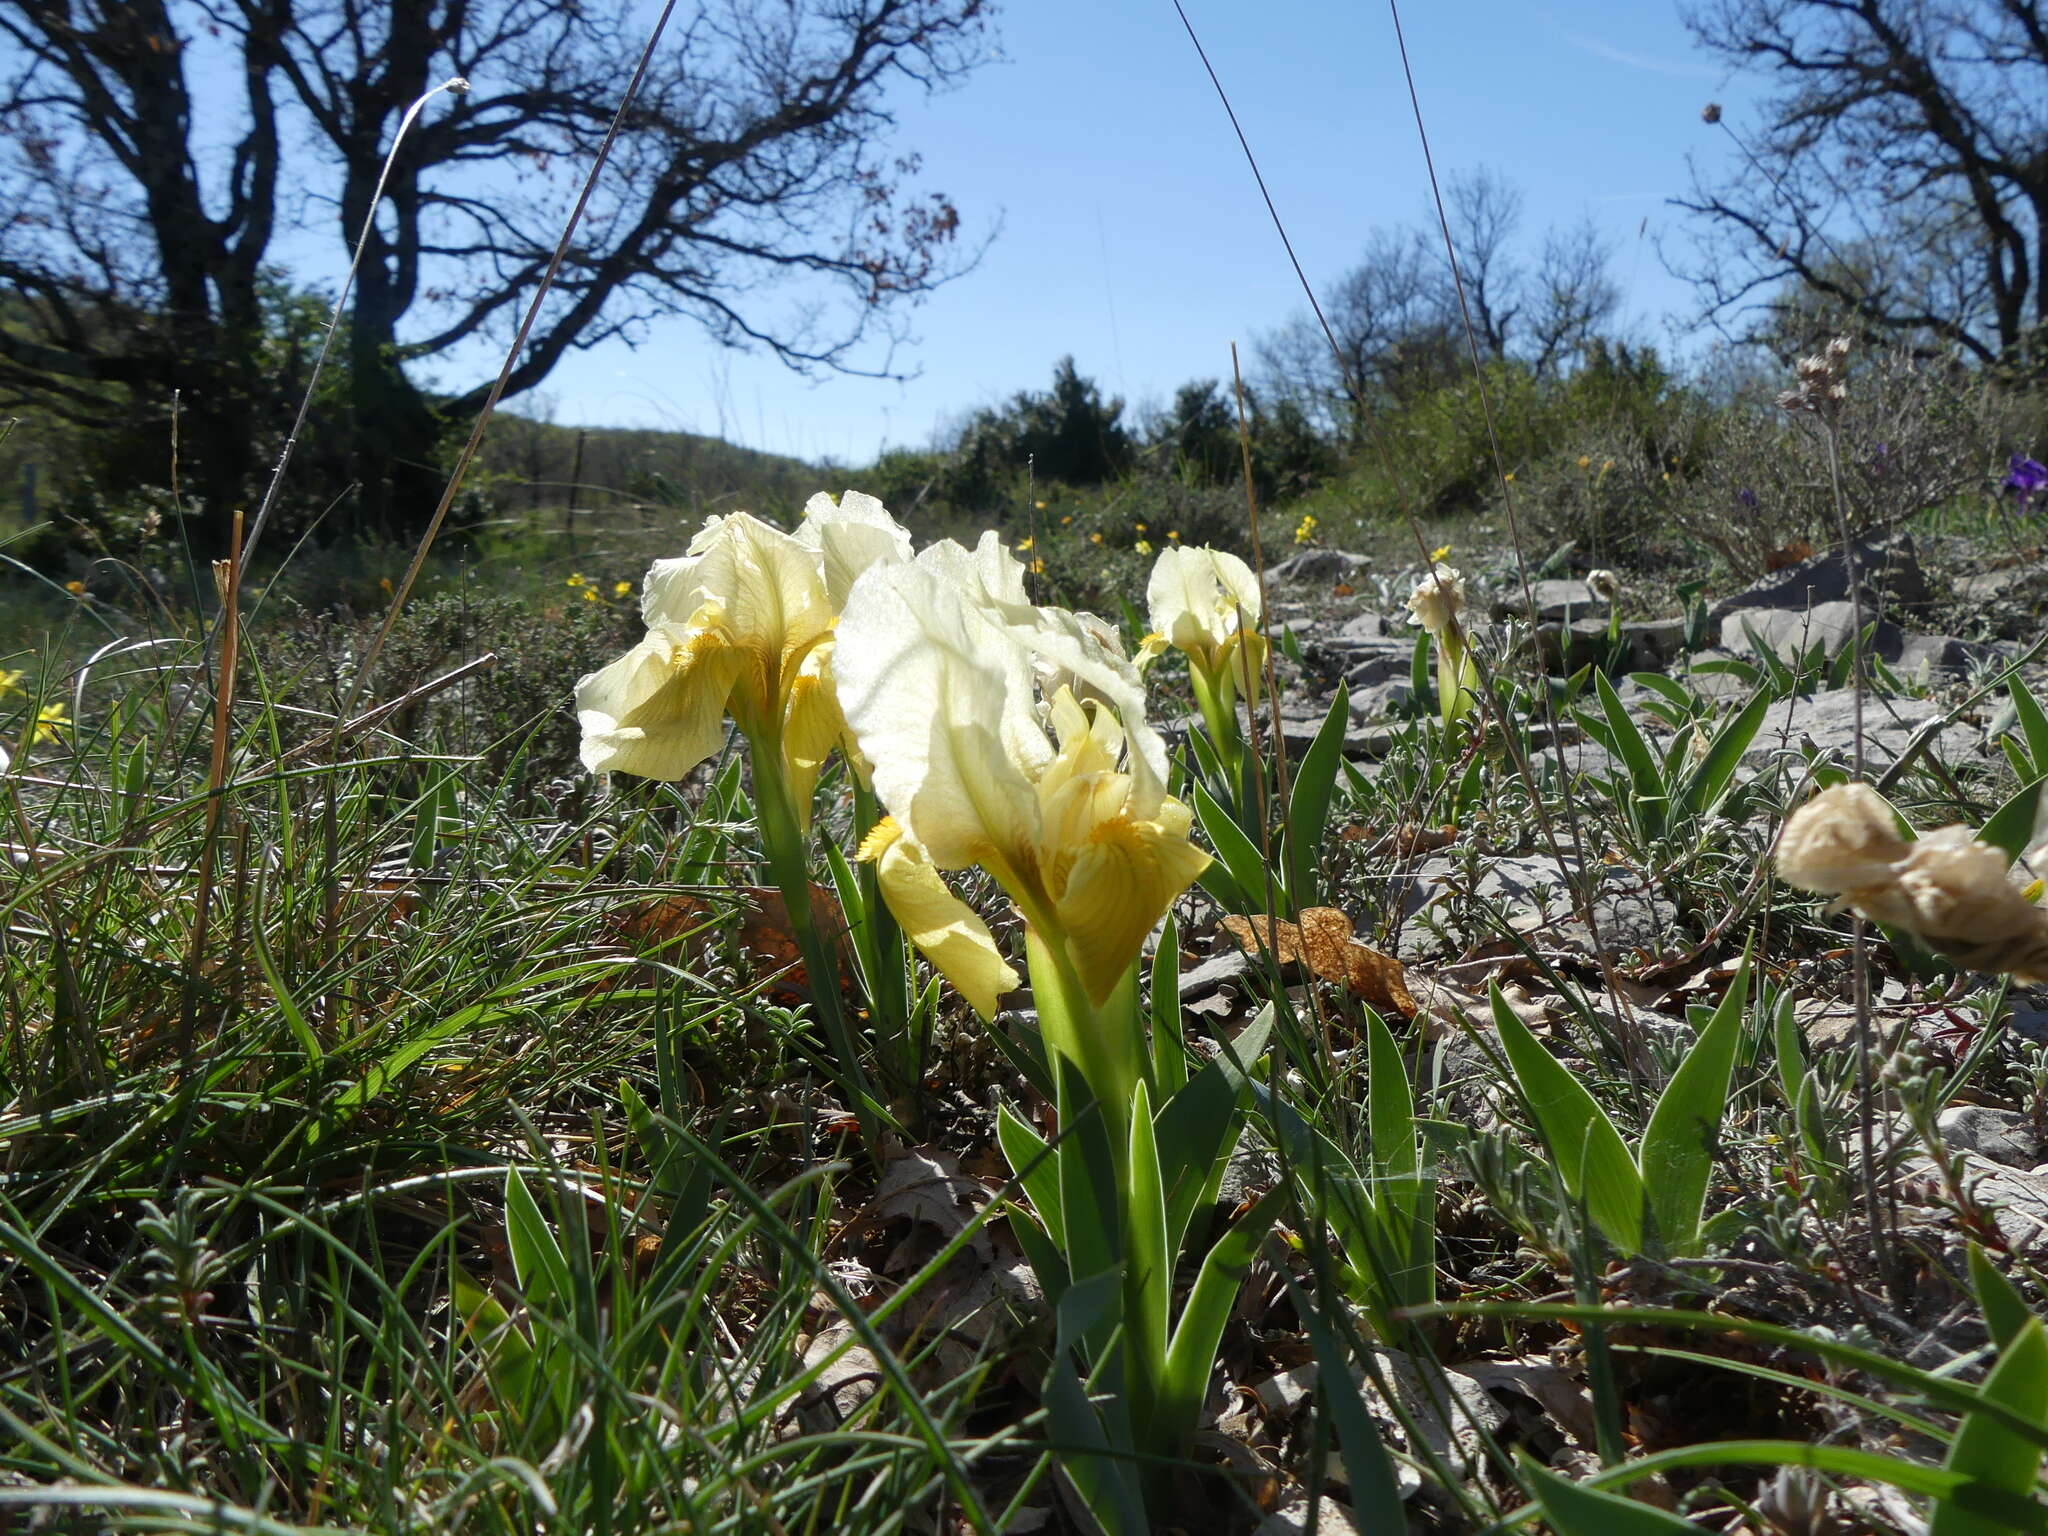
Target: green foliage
{"points": [[1066, 435], [1652, 1200]]}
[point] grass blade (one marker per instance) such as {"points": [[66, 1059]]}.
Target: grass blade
{"points": [[2001, 1466], [1592, 1160], [1576, 1510], [1308, 803], [1707, 785], [1678, 1145]]}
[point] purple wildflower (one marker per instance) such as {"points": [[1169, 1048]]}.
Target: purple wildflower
{"points": [[1747, 497], [2026, 478]]}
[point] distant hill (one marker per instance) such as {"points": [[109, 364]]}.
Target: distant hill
{"points": [[529, 464]]}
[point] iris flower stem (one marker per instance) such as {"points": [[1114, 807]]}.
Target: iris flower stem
{"points": [[783, 842], [1455, 677], [1106, 1046], [1217, 702], [902, 1057]]}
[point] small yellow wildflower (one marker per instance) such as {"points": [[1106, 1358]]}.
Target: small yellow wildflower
{"points": [[590, 595], [1039, 504], [2031, 893], [1585, 462], [1094, 538], [1143, 546], [622, 589], [1667, 474], [75, 588], [1140, 527], [1606, 465], [384, 585], [1065, 520], [1173, 534], [1438, 554], [1038, 565], [1306, 528], [577, 579], [51, 722], [10, 682], [1024, 543], [1509, 477]]}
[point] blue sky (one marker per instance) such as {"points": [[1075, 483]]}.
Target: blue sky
{"points": [[1131, 233]]}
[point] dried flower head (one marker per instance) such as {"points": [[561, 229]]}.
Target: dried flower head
{"points": [[1710, 114], [1842, 840], [1948, 889], [1823, 380], [1437, 600], [1604, 585]]}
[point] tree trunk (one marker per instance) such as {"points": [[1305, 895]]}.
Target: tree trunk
{"points": [[394, 429]]}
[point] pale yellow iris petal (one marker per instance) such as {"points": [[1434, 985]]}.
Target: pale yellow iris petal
{"points": [[811, 729], [1206, 603], [942, 926], [943, 708], [658, 711], [759, 587], [1200, 597], [1118, 886], [935, 664], [851, 534], [1242, 663]]}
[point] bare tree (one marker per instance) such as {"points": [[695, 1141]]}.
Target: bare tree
{"points": [[1387, 302], [155, 151], [1899, 173], [1398, 321], [1484, 214], [1571, 299]]}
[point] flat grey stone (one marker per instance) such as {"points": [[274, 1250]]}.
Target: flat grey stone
{"points": [[1887, 565], [2017, 1201], [2003, 1135], [1791, 633], [2029, 1019], [1378, 664], [1225, 967], [1643, 646], [1391, 699], [1923, 656], [1320, 565], [1661, 638], [1250, 1172], [1368, 629], [1554, 598], [1828, 719], [1301, 720], [1532, 893], [1332, 1518], [1721, 687], [1985, 585]]}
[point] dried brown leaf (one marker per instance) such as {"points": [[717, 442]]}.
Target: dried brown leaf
{"points": [[1322, 942]]}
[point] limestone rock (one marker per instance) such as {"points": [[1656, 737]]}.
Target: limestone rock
{"points": [[1320, 566], [2003, 1135], [1792, 633], [1887, 566], [1554, 598]]}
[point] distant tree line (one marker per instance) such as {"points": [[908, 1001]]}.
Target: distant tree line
{"points": [[158, 156]]}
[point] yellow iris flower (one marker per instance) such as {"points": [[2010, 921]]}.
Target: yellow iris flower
{"points": [[741, 625], [1206, 603], [937, 668]]}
